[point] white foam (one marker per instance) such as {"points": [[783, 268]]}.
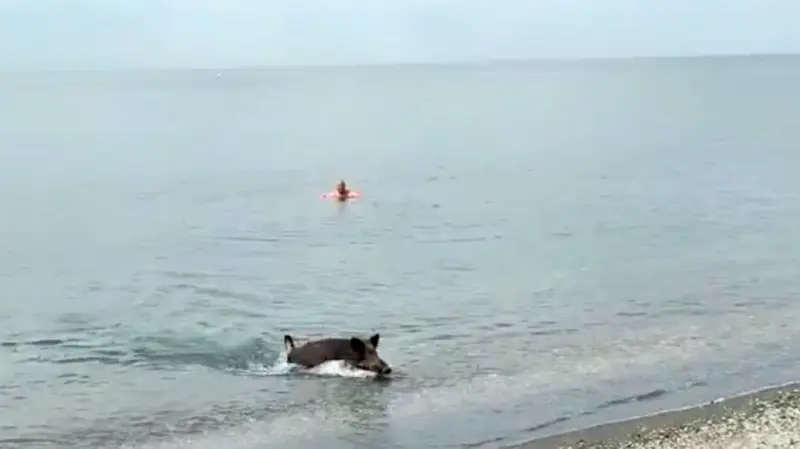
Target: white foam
{"points": [[610, 357], [334, 368], [286, 431], [339, 368], [294, 430]]}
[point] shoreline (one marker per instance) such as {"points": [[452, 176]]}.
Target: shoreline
{"points": [[762, 418]]}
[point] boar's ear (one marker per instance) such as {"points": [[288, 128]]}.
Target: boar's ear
{"points": [[288, 343], [357, 345], [374, 340]]}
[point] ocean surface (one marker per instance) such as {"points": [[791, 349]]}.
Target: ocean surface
{"points": [[542, 246]]}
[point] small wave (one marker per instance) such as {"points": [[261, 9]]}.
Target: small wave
{"points": [[164, 352], [648, 396], [245, 359], [168, 352], [39, 342], [246, 239], [151, 351]]}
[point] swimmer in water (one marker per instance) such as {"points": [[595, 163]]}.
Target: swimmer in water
{"points": [[342, 190]]}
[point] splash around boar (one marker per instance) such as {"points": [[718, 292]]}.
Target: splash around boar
{"points": [[354, 351]]}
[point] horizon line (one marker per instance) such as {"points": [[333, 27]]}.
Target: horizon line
{"points": [[418, 64]]}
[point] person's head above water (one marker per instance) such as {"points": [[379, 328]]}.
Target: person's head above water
{"points": [[341, 187]]}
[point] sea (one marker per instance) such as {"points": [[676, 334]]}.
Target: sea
{"points": [[542, 246]]}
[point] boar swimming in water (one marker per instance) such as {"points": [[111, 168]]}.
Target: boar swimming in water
{"points": [[356, 352]]}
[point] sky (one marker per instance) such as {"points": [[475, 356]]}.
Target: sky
{"points": [[103, 34]]}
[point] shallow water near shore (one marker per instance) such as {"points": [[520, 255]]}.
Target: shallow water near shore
{"points": [[765, 418], [541, 247]]}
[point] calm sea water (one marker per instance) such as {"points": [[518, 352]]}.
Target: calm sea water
{"points": [[541, 247]]}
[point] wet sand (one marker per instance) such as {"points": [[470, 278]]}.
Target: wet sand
{"points": [[768, 418]]}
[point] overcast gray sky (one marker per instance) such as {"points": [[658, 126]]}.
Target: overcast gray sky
{"points": [[79, 34]]}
